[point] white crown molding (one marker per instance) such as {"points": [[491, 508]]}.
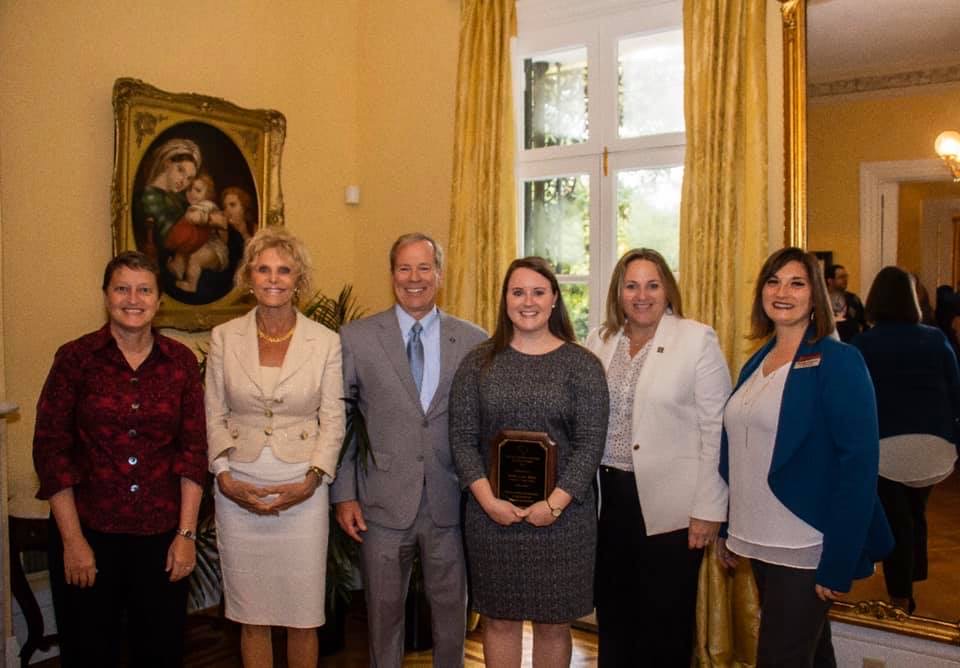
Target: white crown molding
{"points": [[926, 77]]}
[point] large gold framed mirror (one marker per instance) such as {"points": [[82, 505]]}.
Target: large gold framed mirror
{"points": [[812, 104]]}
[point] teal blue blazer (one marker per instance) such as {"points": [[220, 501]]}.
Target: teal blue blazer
{"points": [[825, 457]]}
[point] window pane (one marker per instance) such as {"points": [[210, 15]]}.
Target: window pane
{"points": [[555, 99], [556, 222], [577, 299], [651, 84], [648, 211]]}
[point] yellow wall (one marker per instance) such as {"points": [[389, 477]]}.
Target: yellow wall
{"points": [[843, 134], [407, 78], [367, 90]]}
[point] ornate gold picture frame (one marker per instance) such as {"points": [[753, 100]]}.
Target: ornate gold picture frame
{"points": [[193, 178]]}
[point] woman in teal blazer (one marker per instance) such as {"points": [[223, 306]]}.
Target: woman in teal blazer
{"points": [[799, 452]]}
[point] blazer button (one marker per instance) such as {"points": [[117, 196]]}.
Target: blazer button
{"points": [[636, 446], [268, 413], [304, 435], [268, 431], [235, 433], [132, 460], [426, 423], [134, 488], [132, 433]]}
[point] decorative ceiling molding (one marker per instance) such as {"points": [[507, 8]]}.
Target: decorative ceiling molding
{"points": [[927, 77]]}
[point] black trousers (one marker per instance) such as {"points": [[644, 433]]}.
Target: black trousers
{"points": [[906, 510], [132, 609], [645, 587], [794, 629]]}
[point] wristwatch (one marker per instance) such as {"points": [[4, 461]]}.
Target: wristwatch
{"points": [[556, 512]]}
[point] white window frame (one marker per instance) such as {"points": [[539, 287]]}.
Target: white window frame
{"points": [[558, 25]]}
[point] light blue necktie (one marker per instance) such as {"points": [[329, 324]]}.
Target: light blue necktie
{"points": [[415, 354]]}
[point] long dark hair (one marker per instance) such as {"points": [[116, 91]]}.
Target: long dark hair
{"points": [[761, 326], [559, 322], [892, 298]]}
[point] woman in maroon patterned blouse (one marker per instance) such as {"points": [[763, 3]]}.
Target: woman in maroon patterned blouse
{"points": [[120, 450]]}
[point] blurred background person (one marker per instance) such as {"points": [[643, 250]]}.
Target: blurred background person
{"points": [[662, 497], [533, 563], [946, 314], [275, 424], [847, 307], [119, 450], [915, 376], [802, 467]]}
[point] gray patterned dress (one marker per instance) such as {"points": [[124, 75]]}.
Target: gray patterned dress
{"points": [[544, 574]]}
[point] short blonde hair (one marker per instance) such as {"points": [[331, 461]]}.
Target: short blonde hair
{"points": [[615, 318], [277, 237]]}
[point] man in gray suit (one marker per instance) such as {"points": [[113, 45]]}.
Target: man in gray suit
{"points": [[399, 365]]}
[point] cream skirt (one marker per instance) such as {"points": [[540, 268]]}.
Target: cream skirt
{"points": [[274, 565]]}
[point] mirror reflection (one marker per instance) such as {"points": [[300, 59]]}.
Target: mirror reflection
{"points": [[883, 81]]}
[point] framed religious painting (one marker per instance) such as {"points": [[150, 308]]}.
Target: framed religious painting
{"points": [[194, 177]]}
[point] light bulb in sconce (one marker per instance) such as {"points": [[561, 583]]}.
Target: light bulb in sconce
{"points": [[947, 146]]}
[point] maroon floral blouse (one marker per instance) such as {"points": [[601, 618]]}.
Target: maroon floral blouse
{"points": [[121, 438]]}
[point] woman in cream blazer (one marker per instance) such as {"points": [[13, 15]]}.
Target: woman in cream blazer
{"points": [[275, 423], [661, 496]]}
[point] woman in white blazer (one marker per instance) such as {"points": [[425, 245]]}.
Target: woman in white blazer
{"points": [[275, 423], [661, 496]]}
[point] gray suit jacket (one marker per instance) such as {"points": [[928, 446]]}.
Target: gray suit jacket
{"points": [[409, 446]]}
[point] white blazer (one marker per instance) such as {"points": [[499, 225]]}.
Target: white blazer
{"points": [[677, 420], [303, 419]]}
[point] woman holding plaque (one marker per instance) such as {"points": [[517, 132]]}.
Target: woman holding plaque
{"points": [[534, 562], [662, 496]]}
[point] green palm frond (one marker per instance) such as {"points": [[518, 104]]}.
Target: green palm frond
{"points": [[334, 313]]}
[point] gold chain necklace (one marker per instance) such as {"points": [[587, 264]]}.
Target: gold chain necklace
{"points": [[276, 339]]}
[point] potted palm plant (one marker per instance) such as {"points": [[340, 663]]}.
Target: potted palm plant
{"points": [[342, 552]]}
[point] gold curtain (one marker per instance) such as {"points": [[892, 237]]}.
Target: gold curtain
{"points": [[483, 228], [723, 242]]}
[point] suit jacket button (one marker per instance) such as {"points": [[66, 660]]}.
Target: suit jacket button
{"points": [[304, 435], [426, 423], [268, 413], [268, 431], [235, 433], [636, 446]]}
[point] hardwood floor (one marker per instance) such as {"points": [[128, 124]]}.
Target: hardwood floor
{"points": [[215, 643], [939, 595]]}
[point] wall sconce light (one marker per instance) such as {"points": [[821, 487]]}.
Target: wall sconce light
{"points": [[947, 147]]}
